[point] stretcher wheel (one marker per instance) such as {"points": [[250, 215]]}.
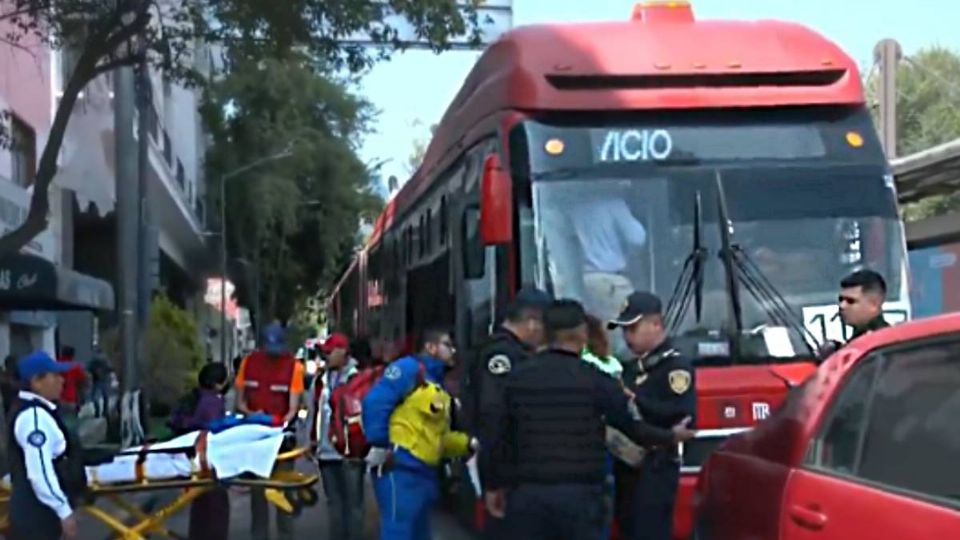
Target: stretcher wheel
{"points": [[296, 502], [308, 497]]}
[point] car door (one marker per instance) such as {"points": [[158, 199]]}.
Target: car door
{"points": [[883, 464]]}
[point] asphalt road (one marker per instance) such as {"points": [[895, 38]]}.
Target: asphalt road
{"points": [[312, 524]]}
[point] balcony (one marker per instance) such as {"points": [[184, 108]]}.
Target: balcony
{"points": [[174, 205]]}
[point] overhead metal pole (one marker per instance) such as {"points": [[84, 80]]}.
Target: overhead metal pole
{"points": [[887, 55], [127, 188], [223, 269], [145, 108], [223, 238]]}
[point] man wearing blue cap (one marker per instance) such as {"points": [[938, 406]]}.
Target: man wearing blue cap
{"points": [[44, 483], [270, 381]]}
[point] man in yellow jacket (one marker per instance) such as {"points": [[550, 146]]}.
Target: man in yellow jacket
{"points": [[406, 419]]}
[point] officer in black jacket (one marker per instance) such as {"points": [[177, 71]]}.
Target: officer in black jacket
{"points": [[551, 437], [860, 302], [506, 349], [664, 386], [46, 469]]}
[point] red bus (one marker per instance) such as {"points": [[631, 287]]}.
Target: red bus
{"points": [[738, 160]]}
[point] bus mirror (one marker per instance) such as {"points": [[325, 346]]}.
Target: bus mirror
{"points": [[496, 208]]}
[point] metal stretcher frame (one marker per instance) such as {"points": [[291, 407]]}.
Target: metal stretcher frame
{"points": [[276, 488]]}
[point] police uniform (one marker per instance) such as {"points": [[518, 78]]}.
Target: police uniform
{"points": [[46, 470], [408, 412], [830, 347], [878, 323], [552, 442], [664, 384]]}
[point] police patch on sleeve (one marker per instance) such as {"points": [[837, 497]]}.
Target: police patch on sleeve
{"points": [[392, 373], [679, 380], [499, 364], [37, 438]]}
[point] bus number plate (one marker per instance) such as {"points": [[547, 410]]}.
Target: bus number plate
{"points": [[825, 324]]}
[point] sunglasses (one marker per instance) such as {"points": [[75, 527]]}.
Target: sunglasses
{"points": [[846, 300]]}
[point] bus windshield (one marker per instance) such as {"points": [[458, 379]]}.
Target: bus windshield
{"points": [[802, 217]]}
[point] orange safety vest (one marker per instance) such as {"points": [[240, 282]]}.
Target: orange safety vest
{"points": [[266, 382]]}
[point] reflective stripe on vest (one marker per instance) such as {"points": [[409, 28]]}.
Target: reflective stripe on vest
{"points": [[271, 377]]}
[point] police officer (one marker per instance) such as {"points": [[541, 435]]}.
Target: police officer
{"points": [[507, 348], [270, 381], [663, 384], [547, 480], [860, 302], [406, 418], [46, 471]]}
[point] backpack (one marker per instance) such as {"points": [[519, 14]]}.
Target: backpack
{"points": [[346, 411]]}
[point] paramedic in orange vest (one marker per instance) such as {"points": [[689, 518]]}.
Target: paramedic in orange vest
{"points": [[270, 381]]}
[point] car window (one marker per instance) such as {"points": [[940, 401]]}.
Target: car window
{"points": [[894, 421], [912, 437], [836, 447]]}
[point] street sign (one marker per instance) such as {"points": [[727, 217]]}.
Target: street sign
{"points": [[495, 17]]}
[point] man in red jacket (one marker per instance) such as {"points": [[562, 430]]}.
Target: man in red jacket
{"points": [[74, 380]]}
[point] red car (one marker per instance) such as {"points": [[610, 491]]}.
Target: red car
{"points": [[867, 448]]}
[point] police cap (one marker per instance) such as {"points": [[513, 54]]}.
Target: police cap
{"points": [[563, 315], [638, 305], [532, 298]]}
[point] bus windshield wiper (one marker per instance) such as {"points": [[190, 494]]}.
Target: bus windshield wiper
{"points": [[741, 270], [689, 285]]}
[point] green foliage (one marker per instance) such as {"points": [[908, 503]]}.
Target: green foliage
{"points": [[171, 36], [293, 218], [928, 114], [419, 149], [174, 353]]}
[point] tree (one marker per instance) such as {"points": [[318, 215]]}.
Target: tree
{"points": [[928, 114], [419, 149], [174, 351], [296, 217], [110, 34]]}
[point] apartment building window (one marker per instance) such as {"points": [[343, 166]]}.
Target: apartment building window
{"points": [[23, 153], [167, 148], [181, 175]]}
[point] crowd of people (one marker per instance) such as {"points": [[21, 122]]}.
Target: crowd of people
{"points": [[568, 441]]}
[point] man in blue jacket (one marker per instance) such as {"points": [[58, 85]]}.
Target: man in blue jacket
{"points": [[406, 419]]}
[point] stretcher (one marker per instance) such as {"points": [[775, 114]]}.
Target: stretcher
{"points": [[285, 487]]}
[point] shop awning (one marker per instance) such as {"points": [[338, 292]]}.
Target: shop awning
{"points": [[28, 282]]}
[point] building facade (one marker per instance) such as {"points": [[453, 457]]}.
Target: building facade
{"points": [[60, 289], [36, 283]]}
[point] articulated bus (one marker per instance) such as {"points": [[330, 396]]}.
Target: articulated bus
{"points": [[739, 158]]}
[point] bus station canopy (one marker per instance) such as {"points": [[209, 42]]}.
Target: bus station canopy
{"points": [[933, 171]]}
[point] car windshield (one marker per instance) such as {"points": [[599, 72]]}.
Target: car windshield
{"points": [[809, 202]]}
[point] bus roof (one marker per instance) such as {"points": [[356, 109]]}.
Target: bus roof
{"points": [[661, 58]]}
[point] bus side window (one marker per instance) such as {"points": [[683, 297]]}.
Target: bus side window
{"points": [[472, 245]]}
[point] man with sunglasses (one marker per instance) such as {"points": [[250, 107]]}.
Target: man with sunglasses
{"points": [[406, 418], [861, 299]]}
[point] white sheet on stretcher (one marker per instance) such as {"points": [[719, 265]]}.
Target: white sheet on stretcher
{"points": [[243, 449]]}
